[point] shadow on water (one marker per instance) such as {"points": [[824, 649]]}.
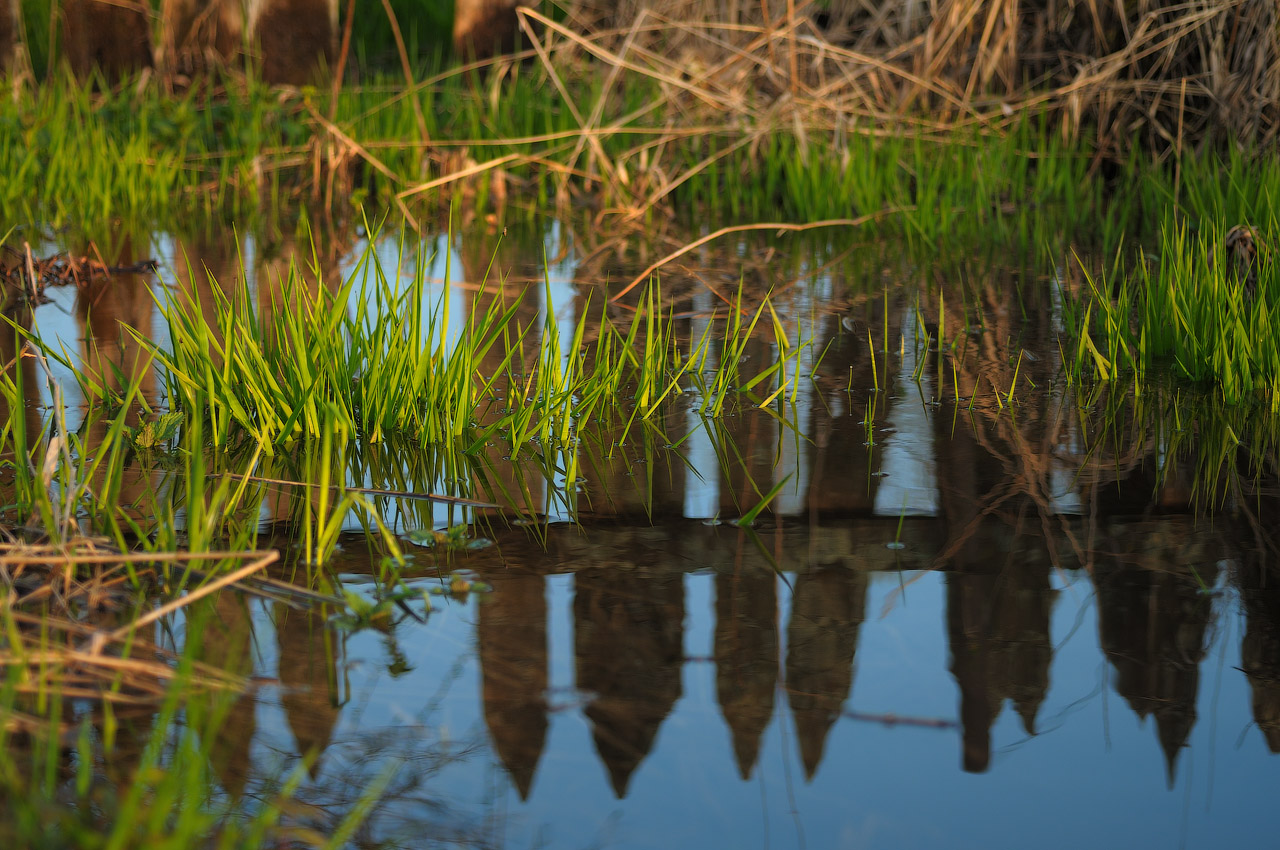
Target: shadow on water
{"points": [[641, 671]]}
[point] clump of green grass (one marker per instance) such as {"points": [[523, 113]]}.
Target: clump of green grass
{"points": [[381, 357], [1185, 309], [70, 155], [299, 383]]}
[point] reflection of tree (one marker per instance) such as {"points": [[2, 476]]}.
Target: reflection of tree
{"points": [[628, 643], [746, 655], [309, 662], [106, 306], [998, 627], [1152, 622], [1260, 649], [113, 37], [827, 610], [512, 637], [1002, 464], [225, 634]]}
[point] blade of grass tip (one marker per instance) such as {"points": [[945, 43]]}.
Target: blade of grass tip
{"points": [[875, 373], [1016, 369], [897, 537], [750, 516]]}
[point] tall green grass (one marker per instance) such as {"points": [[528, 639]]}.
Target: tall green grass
{"points": [[1185, 310], [379, 357], [70, 155]]}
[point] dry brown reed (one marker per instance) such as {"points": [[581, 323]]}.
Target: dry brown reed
{"points": [[1161, 73], [21, 271], [73, 622]]}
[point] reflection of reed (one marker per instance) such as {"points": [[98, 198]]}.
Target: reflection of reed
{"points": [[205, 264], [16, 309], [505, 481], [628, 646], [1152, 623], [998, 626], [840, 480], [1004, 463], [298, 264], [746, 654], [106, 306], [512, 636], [293, 269], [827, 609]]}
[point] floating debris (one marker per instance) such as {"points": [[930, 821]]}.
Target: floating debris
{"points": [[75, 623], [461, 582], [22, 271], [454, 538]]}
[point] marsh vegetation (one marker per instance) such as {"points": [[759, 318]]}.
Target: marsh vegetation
{"points": [[327, 408]]}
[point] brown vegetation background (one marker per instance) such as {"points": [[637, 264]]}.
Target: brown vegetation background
{"points": [[1162, 73]]}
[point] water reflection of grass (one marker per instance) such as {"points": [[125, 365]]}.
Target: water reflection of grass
{"points": [[176, 773], [1219, 455], [114, 729]]}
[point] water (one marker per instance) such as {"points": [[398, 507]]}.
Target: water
{"points": [[981, 611], [615, 698]]}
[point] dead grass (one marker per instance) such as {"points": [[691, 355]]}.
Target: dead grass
{"points": [[74, 620], [1165, 74]]}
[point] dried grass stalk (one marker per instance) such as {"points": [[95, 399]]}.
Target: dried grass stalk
{"points": [[1163, 73], [68, 623]]}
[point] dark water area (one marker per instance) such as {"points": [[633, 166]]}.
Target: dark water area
{"points": [[967, 619]]}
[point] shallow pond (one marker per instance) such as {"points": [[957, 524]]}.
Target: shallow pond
{"points": [[980, 610]]}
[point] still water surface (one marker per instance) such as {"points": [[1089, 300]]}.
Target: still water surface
{"points": [[639, 705], [959, 625]]}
